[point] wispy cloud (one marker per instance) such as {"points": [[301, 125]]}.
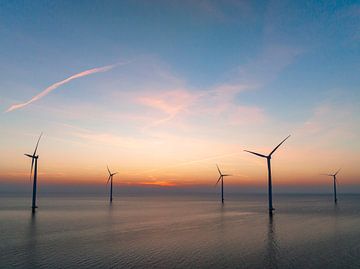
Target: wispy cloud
{"points": [[62, 82], [104, 138], [330, 122], [170, 103], [211, 158], [181, 106]]}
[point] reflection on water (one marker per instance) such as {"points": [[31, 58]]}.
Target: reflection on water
{"points": [[181, 232], [271, 259], [31, 238], [111, 211]]}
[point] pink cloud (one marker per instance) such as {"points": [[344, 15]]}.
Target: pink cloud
{"points": [[216, 103], [170, 103], [246, 115]]}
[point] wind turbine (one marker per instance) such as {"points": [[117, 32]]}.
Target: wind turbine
{"points": [[34, 159], [268, 158], [335, 182], [111, 182], [222, 183]]}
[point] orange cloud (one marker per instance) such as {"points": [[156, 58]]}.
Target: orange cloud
{"points": [[158, 183]]}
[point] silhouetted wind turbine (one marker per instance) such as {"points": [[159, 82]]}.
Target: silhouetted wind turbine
{"points": [[222, 182], [268, 157], [111, 182], [34, 159], [335, 182]]}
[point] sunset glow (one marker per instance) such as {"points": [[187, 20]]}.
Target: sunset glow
{"points": [[173, 106]]}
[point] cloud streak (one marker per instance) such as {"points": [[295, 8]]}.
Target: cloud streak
{"points": [[62, 82]]}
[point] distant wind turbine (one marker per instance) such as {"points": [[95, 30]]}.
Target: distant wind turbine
{"points": [[335, 182], [268, 157], [111, 182], [222, 183], [34, 159]]}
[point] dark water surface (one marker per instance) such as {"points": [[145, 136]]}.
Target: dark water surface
{"points": [[307, 231]]}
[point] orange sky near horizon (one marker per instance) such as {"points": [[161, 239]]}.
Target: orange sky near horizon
{"points": [[292, 165]]}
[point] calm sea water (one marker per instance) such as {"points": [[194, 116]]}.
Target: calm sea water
{"points": [[192, 231]]}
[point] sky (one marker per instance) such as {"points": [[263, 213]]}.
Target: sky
{"points": [[162, 91]]}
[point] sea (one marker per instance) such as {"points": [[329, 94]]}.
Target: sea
{"points": [[180, 231]]}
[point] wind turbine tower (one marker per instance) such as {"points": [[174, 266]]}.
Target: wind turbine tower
{"points": [[335, 183], [268, 158], [34, 159], [111, 183], [221, 177]]}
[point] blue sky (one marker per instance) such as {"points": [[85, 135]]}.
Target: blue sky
{"points": [[202, 42], [230, 73]]}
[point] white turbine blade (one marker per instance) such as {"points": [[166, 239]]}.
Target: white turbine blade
{"points": [[226, 175], [327, 175], [337, 172], [258, 154], [278, 145], [108, 170], [37, 144], [108, 180]]}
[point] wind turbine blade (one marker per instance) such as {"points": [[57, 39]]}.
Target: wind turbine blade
{"points": [[278, 145], [218, 169], [337, 172], [108, 180], [226, 175], [28, 155], [327, 175], [218, 180], [108, 169], [37, 144], [115, 173], [258, 154]]}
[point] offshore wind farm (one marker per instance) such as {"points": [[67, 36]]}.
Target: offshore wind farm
{"points": [[163, 134]]}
